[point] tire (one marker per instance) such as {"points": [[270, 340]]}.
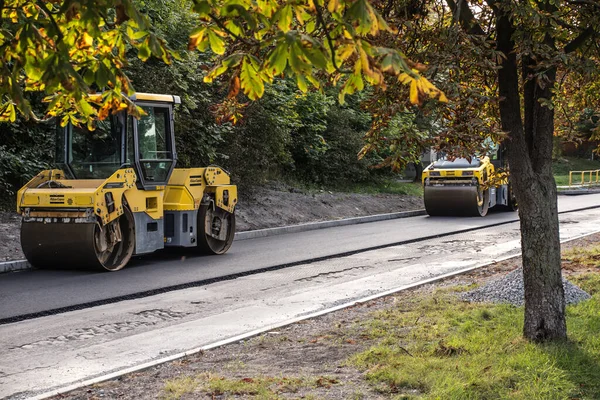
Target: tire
{"points": [[214, 219]]}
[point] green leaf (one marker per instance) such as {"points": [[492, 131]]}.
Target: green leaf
{"points": [[251, 83], [33, 72], [316, 57], [102, 76], [285, 16], [86, 108], [232, 60], [88, 77], [144, 51], [219, 69], [301, 83], [217, 45], [202, 8], [277, 60], [236, 9]]}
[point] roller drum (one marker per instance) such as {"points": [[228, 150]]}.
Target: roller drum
{"points": [[455, 201], [60, 245], [81, 246]]}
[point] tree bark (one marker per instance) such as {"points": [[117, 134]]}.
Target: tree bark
{"points": [[529, 148]]}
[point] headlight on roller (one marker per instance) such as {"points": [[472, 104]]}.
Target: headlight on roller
{"points": [[467, 173], [434, 173]]}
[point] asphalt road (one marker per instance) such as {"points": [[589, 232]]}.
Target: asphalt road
{"points": [[36, 291]]}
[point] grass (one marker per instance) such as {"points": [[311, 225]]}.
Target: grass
{"points": [[438, 347], [380, 186], [562, 167], [388, 186], [261, 387], [376, 186], [587, 256]]}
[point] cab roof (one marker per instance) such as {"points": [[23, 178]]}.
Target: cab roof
{"points": [[162, 98]]}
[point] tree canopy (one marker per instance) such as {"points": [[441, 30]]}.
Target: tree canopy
{"points": [[68, 49]]}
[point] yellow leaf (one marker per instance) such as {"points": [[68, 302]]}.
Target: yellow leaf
{"points": [[405, 78], [333, 5], [414, 92], [85, 41], [345, 51], [196, 37]]}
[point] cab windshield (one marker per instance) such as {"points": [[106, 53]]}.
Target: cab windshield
{"points": [[95, 154]]}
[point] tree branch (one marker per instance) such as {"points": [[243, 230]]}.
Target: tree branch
{"points": [[579, 40], [465, 17], [52, 20], [222, 26], [321, 21]]}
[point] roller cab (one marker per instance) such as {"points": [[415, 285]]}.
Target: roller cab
{"points": [[462, 187], [116, 193]]}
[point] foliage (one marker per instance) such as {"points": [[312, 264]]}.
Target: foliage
{"points": [[273, 140], [198, 135], [464, 350], [257, 41], [26, 149], [326, 145], [65, 50], [258, 148]]}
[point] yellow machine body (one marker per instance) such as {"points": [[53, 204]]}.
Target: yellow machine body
{"points": [[484, 170], [464, 187], [101, 223]]}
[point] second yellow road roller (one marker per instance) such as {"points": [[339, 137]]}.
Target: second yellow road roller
{"points": [[116, 193], [466, 187]]}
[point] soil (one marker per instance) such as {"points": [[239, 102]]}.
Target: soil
{"points": [[281, 205], [318, 348], [266, 207], [10, 243]]}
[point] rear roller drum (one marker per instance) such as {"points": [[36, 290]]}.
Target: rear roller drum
{"points": [[456, 200], [82, 246], [216, 229]]}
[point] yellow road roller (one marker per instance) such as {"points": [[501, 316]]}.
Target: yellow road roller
{"points": [[116, 193], [463, 187]]}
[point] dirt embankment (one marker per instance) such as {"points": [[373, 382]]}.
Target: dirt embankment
{"points": [[265, 208], [10, 244], [268, 207]]}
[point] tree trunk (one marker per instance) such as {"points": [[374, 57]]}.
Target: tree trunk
{"points": [[530, 158]]}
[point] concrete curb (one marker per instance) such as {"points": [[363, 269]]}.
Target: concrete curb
{"points": [[18, 265], [578, 192], [325, 224]]}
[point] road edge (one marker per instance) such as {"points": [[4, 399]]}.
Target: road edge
{"points": [[20, 265]]}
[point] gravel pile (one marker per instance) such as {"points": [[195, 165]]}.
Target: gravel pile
{"points": [[509, 289]]}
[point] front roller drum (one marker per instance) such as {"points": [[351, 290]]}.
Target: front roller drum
{"points": [[82, 246], [456, 201], [216, 229]]}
